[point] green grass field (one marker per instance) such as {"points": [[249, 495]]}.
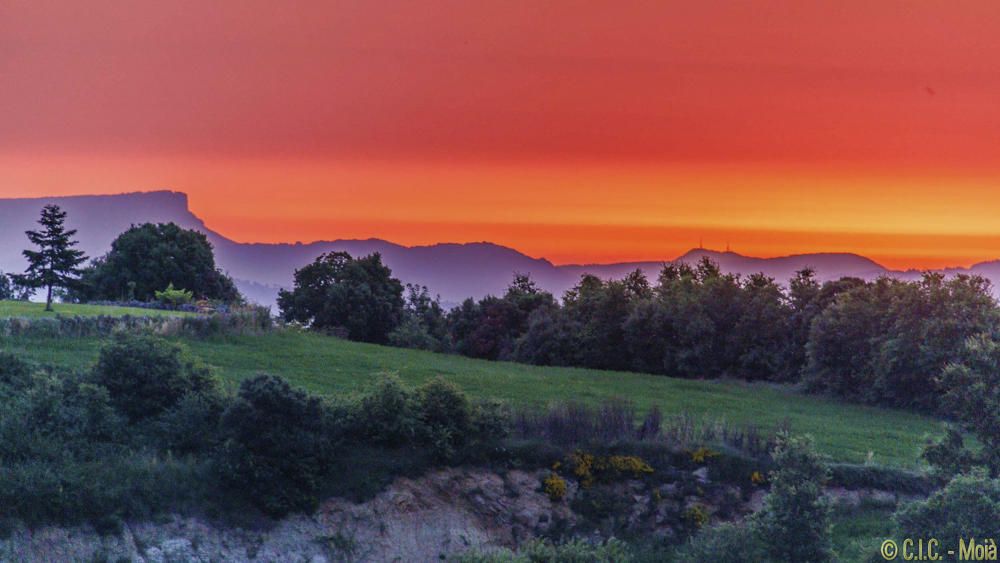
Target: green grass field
{"points": [[330, 366], [36, 310]]}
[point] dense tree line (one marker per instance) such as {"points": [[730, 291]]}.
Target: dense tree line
{"points": [[887, 342], [881, 342]]}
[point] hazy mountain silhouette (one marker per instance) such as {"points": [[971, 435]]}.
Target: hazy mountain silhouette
{"points": [[827, 265], [454, 271]]}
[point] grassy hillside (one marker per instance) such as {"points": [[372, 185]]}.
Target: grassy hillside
{"points": [[330, 366], [35, 310]]}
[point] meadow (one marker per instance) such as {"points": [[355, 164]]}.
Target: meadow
{"points": [[329, 366]]}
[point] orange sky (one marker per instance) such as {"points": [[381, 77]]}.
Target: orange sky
{"points": [[596, 131]]}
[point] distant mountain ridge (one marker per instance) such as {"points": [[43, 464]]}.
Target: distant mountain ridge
{"points": [[452, 270]]}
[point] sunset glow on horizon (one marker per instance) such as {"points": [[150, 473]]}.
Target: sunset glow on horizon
{"points": [[603, 133]]}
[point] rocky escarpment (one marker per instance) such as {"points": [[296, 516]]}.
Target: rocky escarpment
{"points": [[425, 519], [422, 519]]}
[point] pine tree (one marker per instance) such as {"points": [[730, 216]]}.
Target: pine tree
{"points": [[55, 263]]}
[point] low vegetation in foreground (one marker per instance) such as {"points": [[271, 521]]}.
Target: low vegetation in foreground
{"points": [[332, 367], [104, 429], [146, 429]]}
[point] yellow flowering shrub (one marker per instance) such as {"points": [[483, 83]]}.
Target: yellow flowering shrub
{"points": [[630, 465], [696, 515], [555, 487], [757, 478], [583, 465], [702, 455], [587, 468]]}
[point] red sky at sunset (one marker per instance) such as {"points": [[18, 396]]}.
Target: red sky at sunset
{"points": [[578, 131]]}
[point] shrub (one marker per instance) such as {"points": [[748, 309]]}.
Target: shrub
{"points": [[555, 487], [146, 375], [730, 465], [589, 468], [973, 396], [948, 456], [794, 523], [117, 486], [437, 415], [696, 516], [725, 543], [58, 416], [14, 372], [490, 424], [445, 417], [968, 507], [702, 455], [412, 334], [574, 551], [65, 459], [277, 447], [192, 425], [173, 297], [389, 413]]}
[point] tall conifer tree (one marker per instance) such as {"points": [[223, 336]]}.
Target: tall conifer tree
{"points": [[55, 263]]}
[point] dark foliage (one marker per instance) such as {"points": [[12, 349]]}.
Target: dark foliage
{"points": [[148, 258], [424, 325], [697, 322], [6, 288], [883, 342], [437, 416], [794, 524], [886, 342], [948, 455], [725, 543], [445, 416], [15, 373], [972, 395], [146, 431], [56, 263], [967, 508], [145, 375], [337, 291], [277, 447], [488, 329]]}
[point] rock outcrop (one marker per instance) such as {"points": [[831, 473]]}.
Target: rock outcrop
{"points": [[440, 514], [430, 518]]}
